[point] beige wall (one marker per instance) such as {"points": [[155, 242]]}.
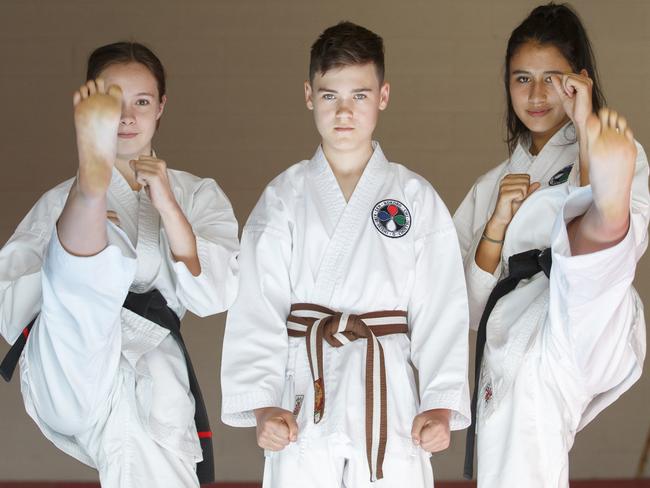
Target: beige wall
{"points": [[236, 113]]}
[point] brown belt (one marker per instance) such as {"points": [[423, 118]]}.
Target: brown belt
{"points": [[316, 324]]}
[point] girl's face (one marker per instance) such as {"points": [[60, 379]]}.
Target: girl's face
{"points": [[534, 99], [141, 107]]}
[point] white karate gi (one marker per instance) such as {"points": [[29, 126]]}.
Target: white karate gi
{"points": [[303, 243], [105, 385], [558, 352]]}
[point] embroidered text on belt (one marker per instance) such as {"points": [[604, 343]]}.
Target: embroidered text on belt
{"points": [[316, 324]]}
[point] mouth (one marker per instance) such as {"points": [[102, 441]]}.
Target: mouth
{"points": [[538, 112], [343, 129], [127, 135]]}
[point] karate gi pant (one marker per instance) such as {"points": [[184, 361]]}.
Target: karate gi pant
{"points": [[333, 462], [94, 376]]}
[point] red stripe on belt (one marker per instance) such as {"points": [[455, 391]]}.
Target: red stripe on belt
{"points": [[205, 435]]}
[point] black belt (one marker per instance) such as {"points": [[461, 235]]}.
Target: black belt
{"points": [[152, 306], [521, 266]]}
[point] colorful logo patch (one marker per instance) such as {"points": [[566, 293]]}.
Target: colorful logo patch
{"points": [[561, 176], [391, 218]]}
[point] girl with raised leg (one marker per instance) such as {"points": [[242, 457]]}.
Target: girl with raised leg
{"points": [[104, 265], [551, 238]]}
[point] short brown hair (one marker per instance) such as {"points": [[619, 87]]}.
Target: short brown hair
{"points": [[126, 52], [346, 44]]}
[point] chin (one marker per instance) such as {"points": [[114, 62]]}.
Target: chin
{"points": [[130, 151]]}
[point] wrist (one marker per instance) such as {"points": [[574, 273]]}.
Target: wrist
{"points": [[495, 230], [169, 210]]}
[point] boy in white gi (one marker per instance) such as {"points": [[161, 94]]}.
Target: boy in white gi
{"points": [[350, 272], [108, 262], [571, 204]]}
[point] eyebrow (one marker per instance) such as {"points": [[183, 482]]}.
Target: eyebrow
{"points": [[146, 94], [356, 90], [524, 72]]}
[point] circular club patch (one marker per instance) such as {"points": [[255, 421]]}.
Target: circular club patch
{"points": [[391, 218]]}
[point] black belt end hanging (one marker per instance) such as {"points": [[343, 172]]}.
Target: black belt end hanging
{"points": [[10, 361], [521, 266]]}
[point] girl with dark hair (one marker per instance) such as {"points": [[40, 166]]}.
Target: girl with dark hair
{"points": [[104, 266], [550, 239]]}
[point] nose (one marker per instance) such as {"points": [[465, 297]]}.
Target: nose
{"points": [[537, 93], [344, 109], [127, 117]]}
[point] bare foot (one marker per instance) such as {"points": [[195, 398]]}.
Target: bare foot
{"points": [[97, 111], [612, 157]]}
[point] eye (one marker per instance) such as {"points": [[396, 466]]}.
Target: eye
{"points": [[328, 96], [142, 102], [548, 80], [360, 96], [522, 79]]}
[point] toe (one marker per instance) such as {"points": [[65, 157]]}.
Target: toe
{"points": [[613, 119], [115, 91], [92, 88], [603, 115], [101, 86]]}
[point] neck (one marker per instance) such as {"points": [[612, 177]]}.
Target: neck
{"points": [[539, 139], [348, 166], [123, 166], [350, 162]]}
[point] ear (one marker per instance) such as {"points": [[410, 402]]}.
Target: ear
{"points": [[308, 92], [161, 108], [384, 95]]}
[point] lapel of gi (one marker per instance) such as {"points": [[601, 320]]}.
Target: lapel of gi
{"points": [[560, 151], [348, 219], [122, 199]]}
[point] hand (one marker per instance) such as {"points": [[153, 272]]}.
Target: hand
{"points": [[513, 190], [151, 173], [575, 92], [430, 430], [276, 428]]}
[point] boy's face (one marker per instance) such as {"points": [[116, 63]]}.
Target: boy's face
{"points": [[346, 103]]}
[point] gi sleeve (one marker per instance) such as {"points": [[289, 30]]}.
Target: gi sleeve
{"points": [[255, 347], [21, 260], [215, 227], [438, 318], [592, 302], [479, 282]]}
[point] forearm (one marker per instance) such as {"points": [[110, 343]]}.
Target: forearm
{"points": [[488, 253], [583, 156], [182, 241], [82, 224]]}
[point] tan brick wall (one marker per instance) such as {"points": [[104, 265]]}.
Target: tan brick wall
{"points": [[236, 113]]}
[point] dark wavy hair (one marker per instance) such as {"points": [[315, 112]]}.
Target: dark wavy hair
{"points": [[346, 44], [126, 52], [558, 26]]}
